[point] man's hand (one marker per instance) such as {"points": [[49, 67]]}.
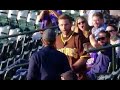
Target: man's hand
{"points": [[78, 65], [41, 15], [54, 12]]}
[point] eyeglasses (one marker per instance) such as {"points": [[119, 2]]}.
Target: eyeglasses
{"points": [[111, 31], [81, 22], [101, 38]]}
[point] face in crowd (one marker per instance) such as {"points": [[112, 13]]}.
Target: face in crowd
{"points": [[65, 26], [81, 24], [112, 30], [103, 39], [97, 21]]}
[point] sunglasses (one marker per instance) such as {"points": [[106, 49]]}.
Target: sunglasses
{"points": [[81, 22], [101, 38], [111, 31]]}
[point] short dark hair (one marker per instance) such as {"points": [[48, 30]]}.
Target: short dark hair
{"points": [[98, 14], [115, 28], [69, 75], [65, 16], [106, 32], [49, 36]]}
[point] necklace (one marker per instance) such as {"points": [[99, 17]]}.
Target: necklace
{"points": [[64, 41]]}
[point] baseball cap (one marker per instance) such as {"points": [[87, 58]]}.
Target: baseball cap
{"points": [[49, 35]]}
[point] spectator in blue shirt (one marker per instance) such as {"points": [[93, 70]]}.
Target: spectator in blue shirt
{"points": [[47, 63], [98, 23]]}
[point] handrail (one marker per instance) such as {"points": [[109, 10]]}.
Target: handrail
{"points": [[114, 63], [30, 32], [102, 48]]}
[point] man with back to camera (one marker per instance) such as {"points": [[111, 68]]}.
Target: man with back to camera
{"points": [[47, 63]]}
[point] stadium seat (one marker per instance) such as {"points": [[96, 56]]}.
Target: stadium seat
{"points": [[21, 61], [26, 55], [27, 38], [26, 51], [10, 72], [3, 17], [3, 65], [11, 46], [20, 74], [10, 61], [20, 37], [1, 45], [19, 50], [31, 45], [13, 32], [4, 30], [109, 67], [3, 53], [12, 17], [12, 53], [37, 44], [66, 12], [15, 77], [18, 47], [31, 20], [118, 77], [37, 24], [17, 58], [22, 19]]}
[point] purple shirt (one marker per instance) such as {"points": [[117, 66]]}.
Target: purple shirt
{"points": [[101, 63], [91, 61]]}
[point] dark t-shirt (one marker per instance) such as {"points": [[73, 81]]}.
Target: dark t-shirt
{"points": [[47, 64]]}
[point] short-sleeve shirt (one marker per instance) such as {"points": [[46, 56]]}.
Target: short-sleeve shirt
{"points": [[95, 31]]}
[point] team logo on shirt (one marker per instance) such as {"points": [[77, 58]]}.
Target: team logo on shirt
{"points": [[69, 52]]}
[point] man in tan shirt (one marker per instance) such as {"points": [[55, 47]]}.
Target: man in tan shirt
{"points": [[71, 44]]}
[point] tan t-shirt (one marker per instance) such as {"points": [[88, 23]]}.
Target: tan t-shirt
{"points": [[72, 48]]}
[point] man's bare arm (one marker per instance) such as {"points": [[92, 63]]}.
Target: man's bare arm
{"points": [[79, 64], [93, 41]]}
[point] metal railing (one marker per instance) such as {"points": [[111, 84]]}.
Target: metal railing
{"points": [[113, 53], [24, 33]]}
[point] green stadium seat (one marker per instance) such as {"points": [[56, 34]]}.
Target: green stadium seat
{"points": [[13, 32], [22, 19], [4, 30], [12, 17], [10, 72], [3, 17], [31, 20]]}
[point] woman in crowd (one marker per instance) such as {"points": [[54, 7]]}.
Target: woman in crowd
{"points": [[81, 26], [114, 39]]}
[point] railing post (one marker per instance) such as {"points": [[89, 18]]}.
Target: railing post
{"points": [[113, 59]]}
